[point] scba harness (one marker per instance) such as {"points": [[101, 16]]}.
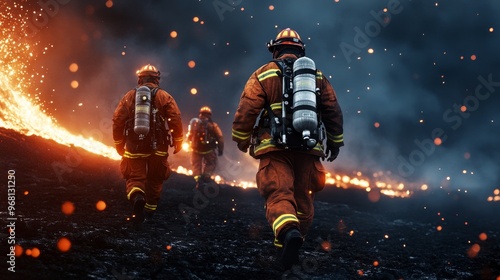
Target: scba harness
{"points": [[299, 126], [202, 135], [146, 130]]}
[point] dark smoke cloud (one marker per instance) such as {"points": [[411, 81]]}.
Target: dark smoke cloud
{"points": [[415, 73]]}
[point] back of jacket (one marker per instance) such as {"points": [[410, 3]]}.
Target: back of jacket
{"points": [[205, 136], [265, 85], [169, 117]]}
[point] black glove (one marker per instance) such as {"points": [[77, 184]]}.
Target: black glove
{"points": [[220, 152], [331, 153], [177, 146], [243, 146], [120, 149]]}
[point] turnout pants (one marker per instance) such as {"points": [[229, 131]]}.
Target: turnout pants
{"points": [[288, 181], [203, 163], [145, 175]]}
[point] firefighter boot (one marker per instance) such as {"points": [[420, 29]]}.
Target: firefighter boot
{"points": [[138, 201], [292, 241]]}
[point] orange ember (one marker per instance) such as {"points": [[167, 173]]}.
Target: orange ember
{"points": [[18, 250], [63, 244], [35, 252], [100, 205], [68, 208]]}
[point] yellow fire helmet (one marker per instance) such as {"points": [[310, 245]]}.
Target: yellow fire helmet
{"points": [[206, 110], [148, 70], [286, 36]]}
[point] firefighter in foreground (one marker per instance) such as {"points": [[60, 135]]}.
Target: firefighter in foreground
{"points": [[289, 138], [205, 137], [145, 123]]}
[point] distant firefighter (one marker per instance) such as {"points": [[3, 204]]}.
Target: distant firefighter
{"points": [[288, 111], [205, 137], [145, 123]]}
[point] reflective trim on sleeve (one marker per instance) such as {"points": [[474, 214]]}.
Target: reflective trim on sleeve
{"points": [[240, 135], [335, 138]]}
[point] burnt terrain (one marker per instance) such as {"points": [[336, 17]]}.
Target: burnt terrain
{"points": [[220, 232]]}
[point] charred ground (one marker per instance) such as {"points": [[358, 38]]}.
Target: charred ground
{"points": [[220, 232]]}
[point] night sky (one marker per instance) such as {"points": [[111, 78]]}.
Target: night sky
{"points": [[402, 75]]}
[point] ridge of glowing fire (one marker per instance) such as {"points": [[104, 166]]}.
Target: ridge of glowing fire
{"points": [[392, 190], [17, 111]]}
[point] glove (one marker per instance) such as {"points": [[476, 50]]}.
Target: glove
{"points": [[243, 146], [177, 146], [120, 149], [331, 153], [220, 152]]}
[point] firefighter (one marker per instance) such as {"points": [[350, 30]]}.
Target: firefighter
{"points": [[144, 162], [205, 136], [288, 179]]}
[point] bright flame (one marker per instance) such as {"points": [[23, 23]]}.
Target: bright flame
{"points": [[17, 110]]}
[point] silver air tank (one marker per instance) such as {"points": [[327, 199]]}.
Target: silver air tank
{"points": [[142, 111], [305, 119]]}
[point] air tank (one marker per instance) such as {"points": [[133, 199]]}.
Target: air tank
{"points": [[305, 118], [142, 111]]}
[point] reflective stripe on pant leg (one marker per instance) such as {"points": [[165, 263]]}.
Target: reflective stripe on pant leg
{"points": [[279, 223], [136, 175], [150, 207], [275, 183]]}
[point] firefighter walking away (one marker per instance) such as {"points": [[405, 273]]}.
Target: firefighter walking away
{"points": [[299, 123], [207, 142], [146, 122]]}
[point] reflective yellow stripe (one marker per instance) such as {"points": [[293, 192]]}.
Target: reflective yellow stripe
{"points": [[277, 243], [241, 135], [151, 207], [134, 189], [196, 177], [118, 142], [268, 74], [264, 144], [276, 106], [203, 153], [138, 155], [160, 153], [178, 139], [319, 75], [335, 138], [283, 219]]}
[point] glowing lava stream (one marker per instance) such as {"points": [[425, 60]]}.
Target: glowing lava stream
{"points": [[18, 113]]}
